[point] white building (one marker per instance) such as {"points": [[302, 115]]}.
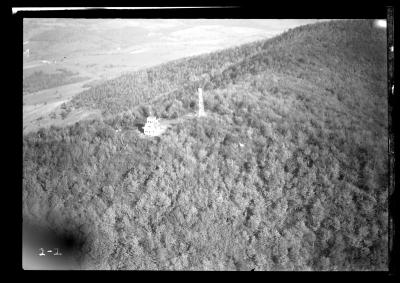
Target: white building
{"points": [[152, 127]]}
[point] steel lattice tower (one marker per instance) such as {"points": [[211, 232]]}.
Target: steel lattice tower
{"points": [[201, 103]]}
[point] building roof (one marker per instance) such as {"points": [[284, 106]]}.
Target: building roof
{"points": [[151, 118]]}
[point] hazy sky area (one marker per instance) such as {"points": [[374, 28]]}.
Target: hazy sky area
{"points": [[176, 37]]}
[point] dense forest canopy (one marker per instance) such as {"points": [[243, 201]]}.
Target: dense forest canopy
{"points": [[288, 171]]}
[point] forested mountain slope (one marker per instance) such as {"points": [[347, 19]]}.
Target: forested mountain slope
{"points": [[288, 171]]}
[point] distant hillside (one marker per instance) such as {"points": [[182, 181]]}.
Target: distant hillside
{"points": [[40, 80], [301, 52], [288, 171], [56, 38]]}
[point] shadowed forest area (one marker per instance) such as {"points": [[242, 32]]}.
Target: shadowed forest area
{"points": [[288, 171]]}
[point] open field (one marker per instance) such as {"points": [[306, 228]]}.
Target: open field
{"points": [[39, 107]]}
